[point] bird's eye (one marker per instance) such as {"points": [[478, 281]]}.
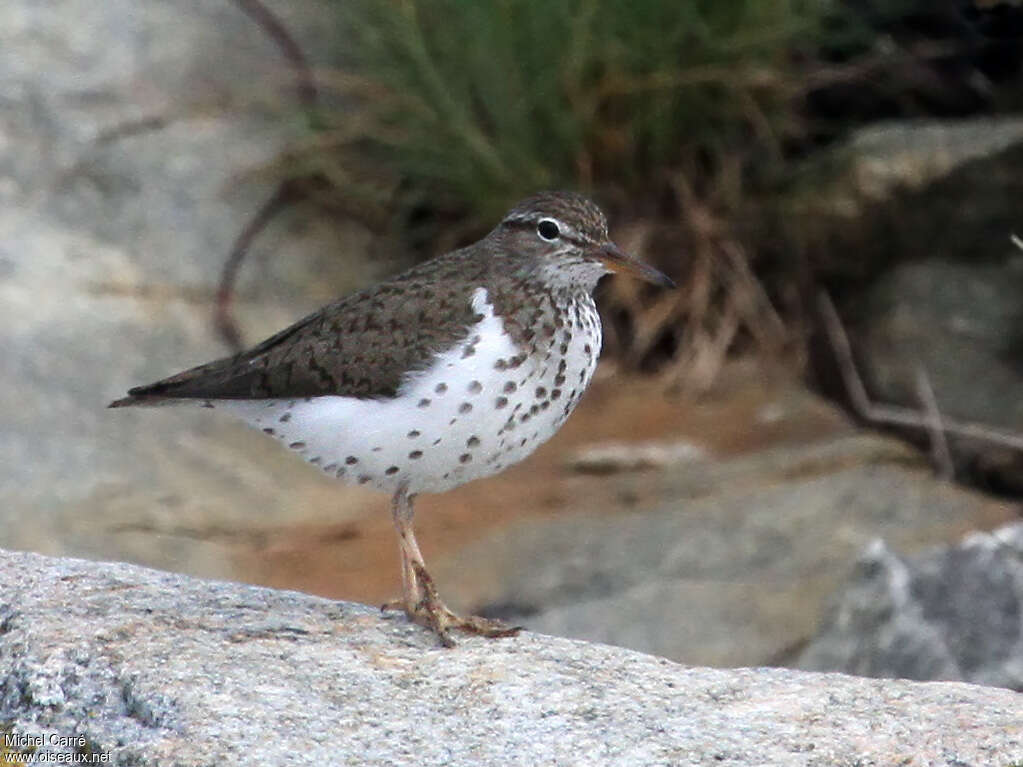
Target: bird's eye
{"points": [[548, 229]]}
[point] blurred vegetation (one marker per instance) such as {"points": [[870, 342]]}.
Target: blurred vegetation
{"points": [[684, 119], [462, 107]]}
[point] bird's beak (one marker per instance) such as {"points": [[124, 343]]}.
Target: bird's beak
{"points": [[617, 260]]}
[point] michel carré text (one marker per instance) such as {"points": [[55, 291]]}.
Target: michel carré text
{"points": [[23, 740]]}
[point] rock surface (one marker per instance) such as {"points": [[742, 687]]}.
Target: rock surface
{"points": [[160, 669], [110, 250], [109, 253], [952, 613], [909, 224], [732, 568], [880, 160], [962, 323]]}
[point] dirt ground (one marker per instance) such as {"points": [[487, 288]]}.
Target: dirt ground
{"points": [[358, 560]]}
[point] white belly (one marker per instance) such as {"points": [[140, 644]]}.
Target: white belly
{"points": [[468, 416]]}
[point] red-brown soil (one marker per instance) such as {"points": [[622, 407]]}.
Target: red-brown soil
{"points": [[358, 560]]}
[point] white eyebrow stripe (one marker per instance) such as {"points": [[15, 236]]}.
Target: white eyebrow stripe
{"points": [[570, 233]]}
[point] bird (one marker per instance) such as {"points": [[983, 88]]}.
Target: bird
{"points": [[448, 372]]}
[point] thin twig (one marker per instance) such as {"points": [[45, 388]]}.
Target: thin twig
{"points": [[940, 453], [223, 320], [843, 356], [276, 31], [893, 414], [133, 128], [286, 192]]}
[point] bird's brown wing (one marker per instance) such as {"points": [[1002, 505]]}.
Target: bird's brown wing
{"points": [[360, 346]]}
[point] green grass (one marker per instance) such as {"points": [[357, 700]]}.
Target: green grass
{"points": [[460, 107]]}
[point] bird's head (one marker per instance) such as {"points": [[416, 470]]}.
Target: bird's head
{"points": [[564, 235]]}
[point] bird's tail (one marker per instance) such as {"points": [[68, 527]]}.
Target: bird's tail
{"points": [[149, 400]]}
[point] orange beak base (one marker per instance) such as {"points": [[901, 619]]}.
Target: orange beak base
{"points": [[617, 260]]}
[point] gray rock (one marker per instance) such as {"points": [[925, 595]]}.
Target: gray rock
{"points": [[109, 255], [962, 323], [954, 613], [159, 669], [733, 571], [910, 223], [914, 153], [883, 159]]}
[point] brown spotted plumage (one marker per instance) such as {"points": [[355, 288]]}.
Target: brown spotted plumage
{"points": [[446, 373]]}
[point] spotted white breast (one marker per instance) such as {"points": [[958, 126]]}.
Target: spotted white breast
{"points": [[479, 407]]}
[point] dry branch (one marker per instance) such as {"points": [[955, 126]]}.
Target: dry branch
{"points": [[283, 196], [292, 51], [940, 452], [931, 421]]}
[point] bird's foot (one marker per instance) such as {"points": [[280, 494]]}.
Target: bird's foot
{"points": [[430, 611]]}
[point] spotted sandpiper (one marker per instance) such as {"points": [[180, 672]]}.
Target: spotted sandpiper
{"points": [[451, 371]]}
